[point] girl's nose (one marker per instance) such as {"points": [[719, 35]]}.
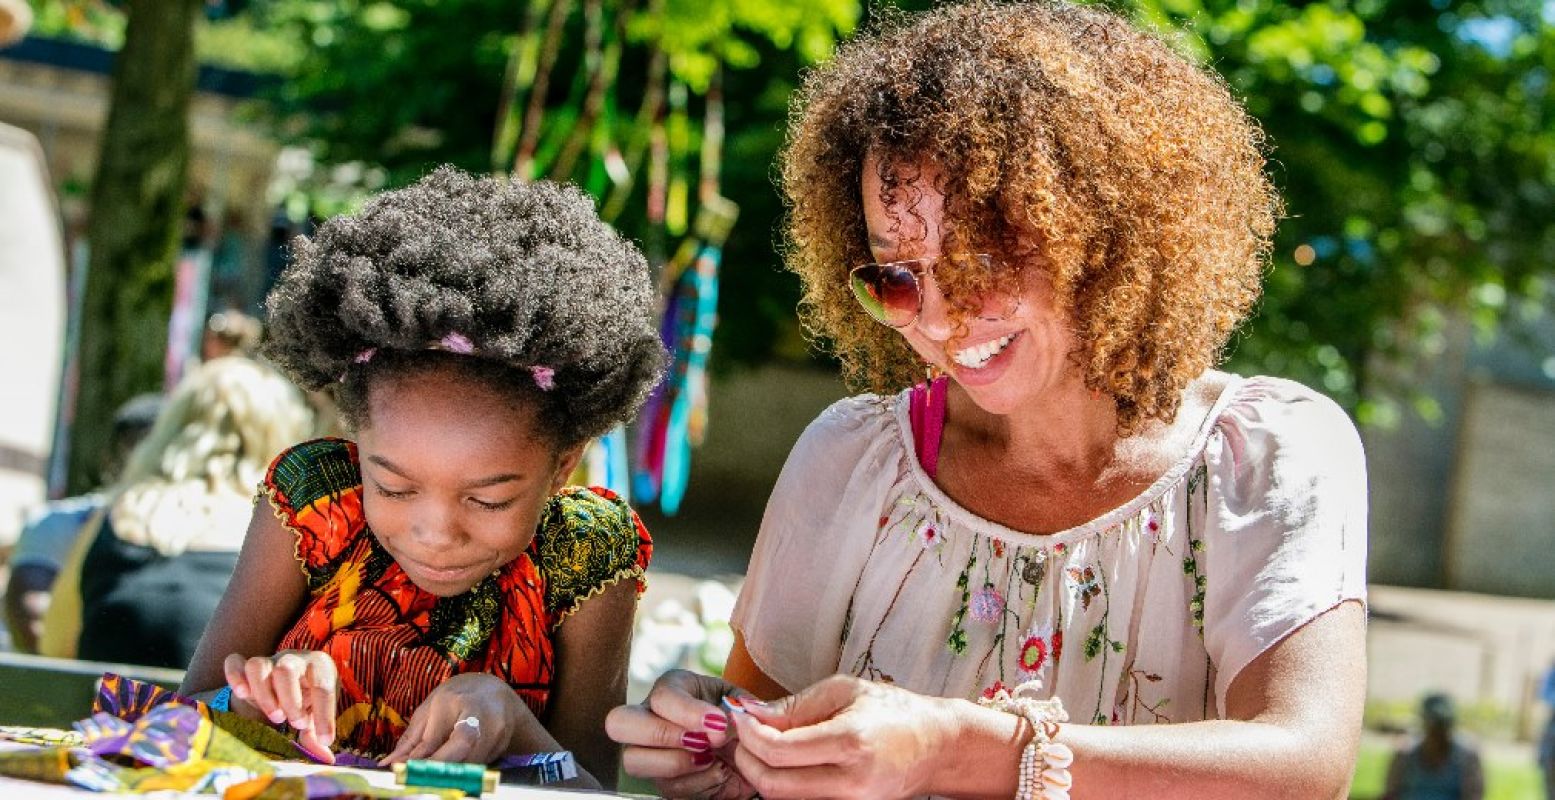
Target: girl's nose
{"points": [[435, 525]]}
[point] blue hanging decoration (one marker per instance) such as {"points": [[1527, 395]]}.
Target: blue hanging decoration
{"points": [[698, 315], [675, 416]]}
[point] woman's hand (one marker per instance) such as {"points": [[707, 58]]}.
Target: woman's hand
{"points": [[844, 738], [471, 718], [293, 686], [680, 738]]}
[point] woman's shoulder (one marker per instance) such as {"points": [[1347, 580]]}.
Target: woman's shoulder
{"points": [[1267, 417], [589, 539], [850, 425]]}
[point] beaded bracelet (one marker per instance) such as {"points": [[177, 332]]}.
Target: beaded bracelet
{"points": [[1044, 763]]}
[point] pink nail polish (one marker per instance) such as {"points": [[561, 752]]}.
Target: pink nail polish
{"points": [[695, 742], [715, 722], [277, 716], [701, 759]]}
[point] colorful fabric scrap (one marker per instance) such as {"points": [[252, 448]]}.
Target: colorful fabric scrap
{"points": [[45, 737], [129, 699], [328, 786], [169, 748]]}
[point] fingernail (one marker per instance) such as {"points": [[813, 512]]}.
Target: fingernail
{"points": [[749, 701], [701, 759], [240, 693], [302, 724], [276, 717], [695, 742], [715, 722]]}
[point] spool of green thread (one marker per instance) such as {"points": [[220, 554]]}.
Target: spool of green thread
{"points": [[472, 779]]}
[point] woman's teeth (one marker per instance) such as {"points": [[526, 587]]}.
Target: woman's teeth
{"points": [[977, 357]]}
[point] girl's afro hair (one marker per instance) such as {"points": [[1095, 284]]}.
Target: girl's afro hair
{"points": [[527, 272]]}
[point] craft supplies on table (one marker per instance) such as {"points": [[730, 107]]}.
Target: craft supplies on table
{"points": [[472, 779], [142, 738]]}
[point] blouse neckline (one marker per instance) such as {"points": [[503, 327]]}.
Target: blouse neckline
{"points": [[1106, 521]]}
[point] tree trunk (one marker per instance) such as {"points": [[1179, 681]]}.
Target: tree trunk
{"points": [[137, 212]]}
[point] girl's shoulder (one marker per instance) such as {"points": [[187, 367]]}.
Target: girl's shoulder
{"points": [[588, 540], [317, 468], [315, 489]]}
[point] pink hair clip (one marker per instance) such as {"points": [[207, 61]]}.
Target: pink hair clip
{"points": [[365, 356], [456, 342], [545, 378]]}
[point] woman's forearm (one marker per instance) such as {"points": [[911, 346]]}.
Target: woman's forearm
{"points": [[1198, 760]]}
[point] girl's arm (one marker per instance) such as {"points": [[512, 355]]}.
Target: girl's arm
{"points": [[1295, 717], [266, 592], [592, 648]]}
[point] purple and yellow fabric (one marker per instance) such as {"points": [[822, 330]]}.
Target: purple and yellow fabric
{"points": [[142, 738]]}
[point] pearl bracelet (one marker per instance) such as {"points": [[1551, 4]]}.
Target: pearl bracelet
{"points": [[1044, 763]]}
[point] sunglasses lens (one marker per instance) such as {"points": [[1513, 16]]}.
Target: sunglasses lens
{"points": [[888, 292]]}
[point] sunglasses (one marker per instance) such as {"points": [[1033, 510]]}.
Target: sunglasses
{"points": [[892, 293]]}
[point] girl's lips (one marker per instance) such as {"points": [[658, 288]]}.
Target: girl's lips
{"points": [[439, 573]]}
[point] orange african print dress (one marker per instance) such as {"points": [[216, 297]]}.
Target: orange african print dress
{"points": [[393, 642]]}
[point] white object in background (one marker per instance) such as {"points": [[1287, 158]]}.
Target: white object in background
{"points": [[32, 324], [15, 19]]}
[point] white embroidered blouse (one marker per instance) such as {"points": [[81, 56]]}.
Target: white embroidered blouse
{"points": [[1145, 614]]}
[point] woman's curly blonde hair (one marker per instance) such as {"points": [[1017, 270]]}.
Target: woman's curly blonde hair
{"points": [[1137, 175]]}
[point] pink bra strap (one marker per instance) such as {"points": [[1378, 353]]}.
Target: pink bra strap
{"points": [[926, 414]]}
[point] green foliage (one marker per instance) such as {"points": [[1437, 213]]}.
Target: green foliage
{"points": [[230, 41], [1414, 141], [1415, 144]]}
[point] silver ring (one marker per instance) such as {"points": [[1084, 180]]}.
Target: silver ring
{"points": [[472, 721]]}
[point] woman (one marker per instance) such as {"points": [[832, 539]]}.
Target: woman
{"points": [[147, 573], [1068, 220]]}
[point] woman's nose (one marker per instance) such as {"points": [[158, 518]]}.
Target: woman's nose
{"points": [[934, 315]]}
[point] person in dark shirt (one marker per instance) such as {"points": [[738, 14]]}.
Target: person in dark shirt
{"points": [[1441, 766]]}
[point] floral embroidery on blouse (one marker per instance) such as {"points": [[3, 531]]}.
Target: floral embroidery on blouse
{"points": [[864, 566], [999, 587]]}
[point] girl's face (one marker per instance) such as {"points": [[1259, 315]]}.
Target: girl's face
{"points": [[1001, 363], [454, 477]]}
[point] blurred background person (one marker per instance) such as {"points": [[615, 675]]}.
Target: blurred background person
{"points": [[145, 578], [1441, 766], [230, 333], [51, 531]]}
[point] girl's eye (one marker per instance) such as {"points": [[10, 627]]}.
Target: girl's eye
{"points": [[482, 504], [384, 491]]}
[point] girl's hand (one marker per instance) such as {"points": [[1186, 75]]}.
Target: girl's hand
{"points": [[680, 738], [293, 686], [470, 718], [844, 738]]}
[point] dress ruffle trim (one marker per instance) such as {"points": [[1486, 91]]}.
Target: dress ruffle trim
{"points": [[635, 571]]}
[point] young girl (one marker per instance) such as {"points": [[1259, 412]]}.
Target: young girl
{"points": [[430, 590]]}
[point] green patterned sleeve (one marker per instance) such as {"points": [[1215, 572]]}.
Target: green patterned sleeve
{"points": [[589, 539], [315, 489]]}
